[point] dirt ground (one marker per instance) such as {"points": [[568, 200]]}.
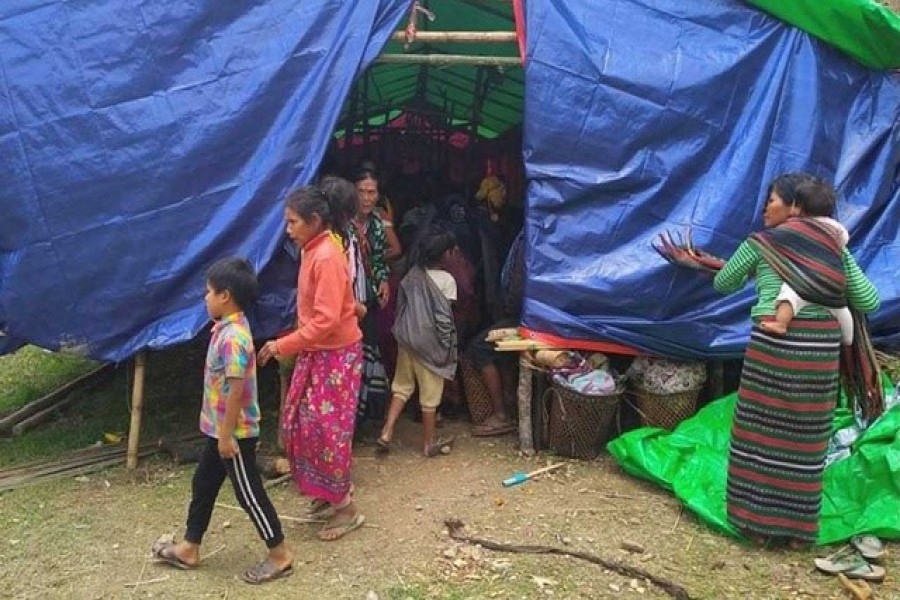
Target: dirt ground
{"points": [[90, 538]]}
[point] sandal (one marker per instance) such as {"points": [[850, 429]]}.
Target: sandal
{"points": [[440, 446], [868, 572], [843, 561], [491, 428], [323, 510], [336, 531], [320, 509], [164, 551], [265, 571], [869, 546], [382, 446]]}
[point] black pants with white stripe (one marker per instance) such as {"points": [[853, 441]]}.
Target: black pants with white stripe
{"points": [[248, 488]]}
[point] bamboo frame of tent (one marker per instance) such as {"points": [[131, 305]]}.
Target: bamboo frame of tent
{"points": [[137, 409], [463, 37], [449, 60]]}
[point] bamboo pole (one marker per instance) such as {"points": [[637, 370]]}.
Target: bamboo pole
{"points": [[448, 59], [458, 36], [137, 407]]}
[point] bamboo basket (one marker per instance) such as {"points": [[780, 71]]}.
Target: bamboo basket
{"points": [[477, 397], [664, 410], [580, 425]]}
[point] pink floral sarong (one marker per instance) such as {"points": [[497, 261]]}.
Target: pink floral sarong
{"points": [[318, 421]]}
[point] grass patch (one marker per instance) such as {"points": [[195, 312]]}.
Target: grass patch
{"points": [[30, 373], [173, 393]]}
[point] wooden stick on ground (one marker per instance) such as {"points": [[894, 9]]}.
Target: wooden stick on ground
{"points": [[860, 591], [134, 584], [455, 526]]}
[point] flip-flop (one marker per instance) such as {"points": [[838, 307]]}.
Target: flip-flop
{"points": [[440, 447], [869, 546], [325, 511], [342, 529], [843, 561], [265, 571], [165, 552], [868, 572]]}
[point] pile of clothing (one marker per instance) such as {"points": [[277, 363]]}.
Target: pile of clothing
{"points": [[589, 376], [664, 376]]}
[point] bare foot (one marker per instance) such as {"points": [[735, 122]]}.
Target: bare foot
{"points": [[343, 522], [183, 555], [798, 544]]}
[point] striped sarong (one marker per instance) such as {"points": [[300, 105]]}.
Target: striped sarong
{"points": [[808, 257], [782, 422]]}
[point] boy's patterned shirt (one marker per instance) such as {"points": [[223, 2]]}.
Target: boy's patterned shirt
{"points": [[231, 355]]}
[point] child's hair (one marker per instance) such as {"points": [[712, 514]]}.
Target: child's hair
{"points": [[342, 198], [308, 201], [816, 198], [786, 186], [235, 276], [433, 247]]}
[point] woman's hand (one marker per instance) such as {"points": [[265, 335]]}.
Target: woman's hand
{"points": [[267, 352], [384, 294]]}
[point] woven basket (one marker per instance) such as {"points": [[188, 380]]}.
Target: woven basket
{"points": [[664, 410], [580, 424], [477, 396]]}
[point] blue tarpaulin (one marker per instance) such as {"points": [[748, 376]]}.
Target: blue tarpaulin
{"points": [[142, 140], [644, 116]]}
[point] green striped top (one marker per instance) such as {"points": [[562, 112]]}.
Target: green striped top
{"points": [[746, 261]]}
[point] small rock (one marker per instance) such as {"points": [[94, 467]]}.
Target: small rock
{"points": [[419, 507], [226, 524], [542, 582], [372, 595], [82, 479], [634, 584], [719, 564], [450, 553], [500, 565], [632, 547], [615, 587]]}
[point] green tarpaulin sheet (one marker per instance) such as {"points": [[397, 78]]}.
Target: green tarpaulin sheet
{"points": [[862, 491], [864, 29]]}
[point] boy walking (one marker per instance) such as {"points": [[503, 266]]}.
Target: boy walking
{"points": [[230, 420]]}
